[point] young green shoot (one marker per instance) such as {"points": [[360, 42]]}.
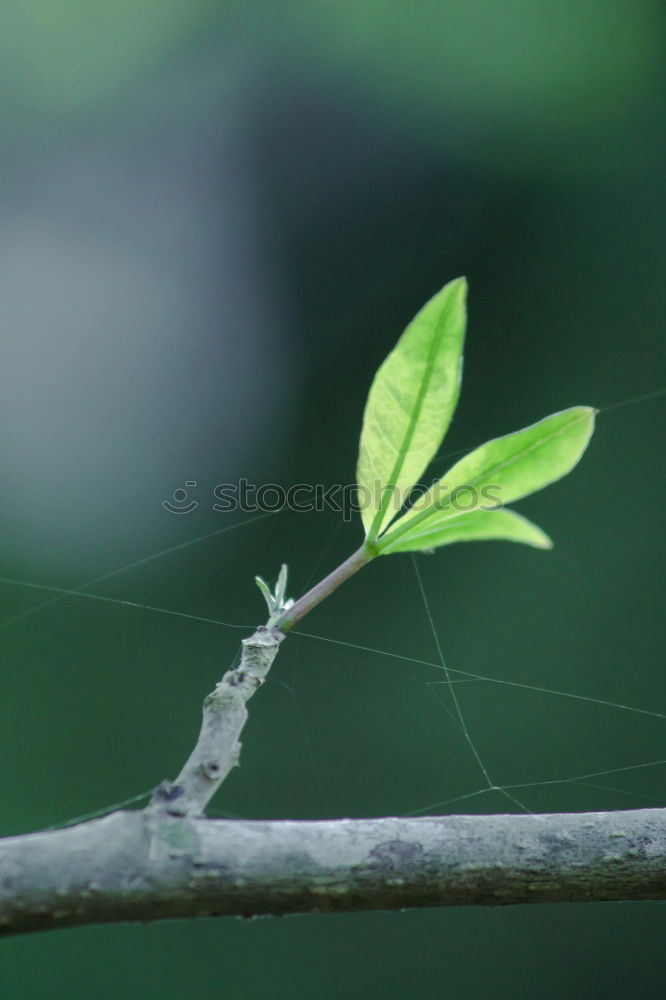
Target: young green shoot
{"points": [[410, 406]]}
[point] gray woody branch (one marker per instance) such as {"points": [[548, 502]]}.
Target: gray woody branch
{"points": [[168, 861], [149, 865], [224, 714]]}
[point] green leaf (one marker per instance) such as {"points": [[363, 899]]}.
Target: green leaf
{"points": [[410, 406], [477, 526], [502, 470]]}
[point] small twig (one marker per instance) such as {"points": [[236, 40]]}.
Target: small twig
{"points": [[224, 710], [298, 609], [224, 714]]}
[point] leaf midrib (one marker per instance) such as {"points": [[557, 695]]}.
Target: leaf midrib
{"points": [[409, 434]]}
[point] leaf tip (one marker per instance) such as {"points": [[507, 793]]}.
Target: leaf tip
{"points": [[540, 540], [460, 284]]}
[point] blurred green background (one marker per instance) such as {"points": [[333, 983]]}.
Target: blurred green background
{"points": [[217, 218]]}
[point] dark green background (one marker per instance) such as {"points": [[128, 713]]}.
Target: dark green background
{"points": [[218, 219]]}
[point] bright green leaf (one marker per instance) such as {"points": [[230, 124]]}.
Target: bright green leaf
{"points": [[410, 406], [502, 470], [477, 526]]}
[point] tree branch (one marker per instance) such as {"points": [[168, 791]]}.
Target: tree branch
{"points": [[150, 865], [224, 714], [168, 861]]}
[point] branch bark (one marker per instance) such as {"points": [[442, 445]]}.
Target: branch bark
{"points": [[151, 865]]}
